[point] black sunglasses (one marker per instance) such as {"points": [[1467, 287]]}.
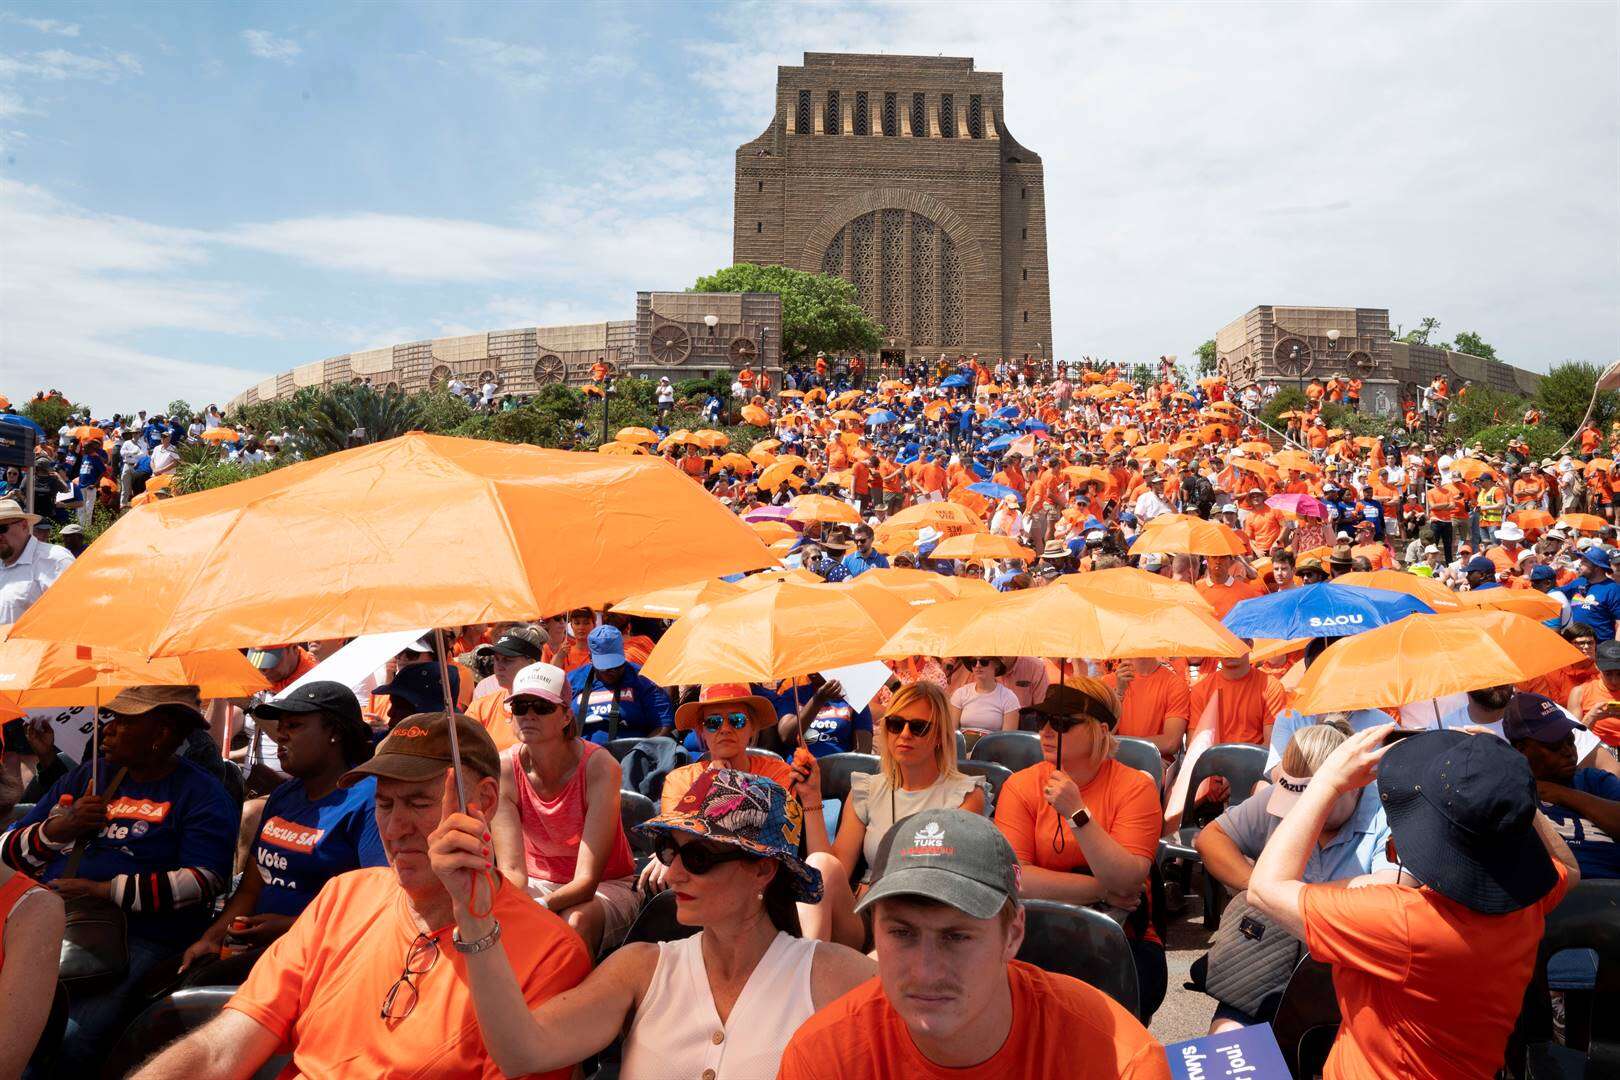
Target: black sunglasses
{"points": [[737, 720], [533, 706], [894, 725], [401, 998], [698, 858], [977, 661]]}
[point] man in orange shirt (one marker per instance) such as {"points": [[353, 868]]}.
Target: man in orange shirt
{"points": [[1430, 977], [513, 651], [1378, 555], [949, 999], [1226, 584], [370, 980], [931, 480], [1154, 703], [1265, 525], [1247, 701]]}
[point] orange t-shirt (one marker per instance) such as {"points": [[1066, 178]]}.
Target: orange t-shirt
{"points": [[1593, 693], [320, 987], [676, 783], [1225, 597], [1150, 700], [1376, 554], [860, 1036], [931, 477], [1247, 705], [1121, 799], [1427, 987], [490, 711], [1263, 528]]}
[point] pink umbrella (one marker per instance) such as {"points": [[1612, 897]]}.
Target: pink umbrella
{"points": [[1299, 505], [770, 513]]}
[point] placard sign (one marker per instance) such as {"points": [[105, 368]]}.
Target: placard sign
{"points": [[1249, 1053], [72, 724]]}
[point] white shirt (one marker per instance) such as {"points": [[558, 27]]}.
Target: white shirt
{"points": [[1150, 506], [132, 451], [26, 580], [164, 459], [666, 393]]}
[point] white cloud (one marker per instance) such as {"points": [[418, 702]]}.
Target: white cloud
{"points": [[44, 26], [12, 105], [77, 286], [57, 65], [267, 46], [522, 68]]}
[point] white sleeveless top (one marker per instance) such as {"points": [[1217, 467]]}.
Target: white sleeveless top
{"points": [[678, 1034]]}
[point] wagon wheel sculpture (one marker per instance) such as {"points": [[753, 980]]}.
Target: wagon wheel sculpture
{"points": [[742, 350], [1293, 357], [550, 369], [671, 344], [1363, 360], [440, 376]]}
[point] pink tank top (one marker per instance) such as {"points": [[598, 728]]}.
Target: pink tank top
{"points": [[553, 828]]}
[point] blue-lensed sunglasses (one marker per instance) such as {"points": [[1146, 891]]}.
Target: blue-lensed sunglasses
{"points": [[738, 721]]}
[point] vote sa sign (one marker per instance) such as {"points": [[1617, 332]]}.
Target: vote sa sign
{"points": [[72, 723], [1249, 1053]]}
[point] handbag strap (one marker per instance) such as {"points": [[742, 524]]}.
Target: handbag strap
{"points": [[79, 847]]}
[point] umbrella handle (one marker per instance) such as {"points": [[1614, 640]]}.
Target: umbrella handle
{"points": [[487, 876]]}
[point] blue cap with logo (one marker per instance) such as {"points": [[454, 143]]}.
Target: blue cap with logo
{"points": [[607, 647]]}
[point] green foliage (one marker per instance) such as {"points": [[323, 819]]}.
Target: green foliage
{"points": [[1207, 359], [1544, 441], [1356, 421], [697, 391], [820, 312], [565, 401], [355, 414], [1483, 407], [181, 410], [1142, 374], [1474, 345], [639, 394], [1424, 331], [1288, 399], [49, 413], [440, 410], [1565, 392], [203, 475]]}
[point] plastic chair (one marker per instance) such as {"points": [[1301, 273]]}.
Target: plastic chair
{"points": [[961, 744], [1241, 764], [836, 769], [657, 922], [1012, 749], [1140, 754], [635, 808], [996, 775], [168, 1019], [1307, 1019], [620, 747], [1588, 918], [1081, 943]]}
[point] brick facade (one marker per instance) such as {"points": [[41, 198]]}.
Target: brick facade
{"points": [[898, 173]]}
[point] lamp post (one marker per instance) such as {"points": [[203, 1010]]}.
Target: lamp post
{"points": [[607, 391]]}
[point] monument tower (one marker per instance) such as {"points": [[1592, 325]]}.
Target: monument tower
{"points": [[898, 173]]}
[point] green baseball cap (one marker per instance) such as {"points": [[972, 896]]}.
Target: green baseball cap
{"points": [[950, 856]]}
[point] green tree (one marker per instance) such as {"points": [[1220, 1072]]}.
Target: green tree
{"points": [[1474, 345], [180, 410], [1421, 335], [1565, 392], [1483, 407], [1207, 360], [355, 414], [49, 413], [820, 313]]}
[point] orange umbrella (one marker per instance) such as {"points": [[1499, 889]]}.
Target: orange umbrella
{"points": [[637, 435], [1255, 447], [1190, 536], [52, 675], [1428, 590], [947, 517], [815, 394], [158, 483], [891, 384], [918, 588], [1263, 649], [1526, 602], [790, 393], [673, 602], [1601, 463], [772, 531], [613, 449], [779, 631], [591, 390], [1471, 468], [1422, 657], [552, 530], [678, 437], [761, 457], [1062, 623], [846, 397], [978, 547], [736, 461], [1586, 523], [86, 432], [767, 445], [1080, 474], [823, 508], [846, 414], [771, 577], [1258, 468], [710, 439], [1131, 583], [1531, 519], [755, 415], [1297, 460], [777, 474], [1153, 451], [935, 409]]}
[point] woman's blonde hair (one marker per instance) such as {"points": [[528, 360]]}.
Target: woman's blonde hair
{"points": [[1102, 704], [1310, 747], [944, 728]]}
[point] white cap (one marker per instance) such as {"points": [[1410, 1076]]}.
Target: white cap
{"points": [[1509, 531], [546, 681]]}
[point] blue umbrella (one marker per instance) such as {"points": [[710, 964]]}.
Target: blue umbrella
{"points": [[956, 380], [21, 421], [1322, 610], [994, 491], [995, 425], [1000, 443], [981, 470], [882, 416], [1007, 410], [1034, 425]]}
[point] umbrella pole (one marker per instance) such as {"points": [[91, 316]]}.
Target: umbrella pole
{"points": [[95, 744], [1438, 726], [450, 713]]}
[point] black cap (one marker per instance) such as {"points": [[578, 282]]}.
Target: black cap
{"points": [[419, 687], [1608, 656], [1064, 700], [1532, 716], [524, 641], [320, 696]]}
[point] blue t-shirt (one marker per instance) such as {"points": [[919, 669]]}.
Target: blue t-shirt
{"points": [[641, 704], [303, 844], [833, 729], [1373, 512], [1596, 605], [153, 826], [1596, 852]]}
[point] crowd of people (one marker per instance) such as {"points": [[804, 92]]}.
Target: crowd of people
{"points": [[380, 913]]}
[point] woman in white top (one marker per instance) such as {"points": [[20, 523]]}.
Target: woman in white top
{"points": [[721, 1004], [917, 748], [985, 704]]}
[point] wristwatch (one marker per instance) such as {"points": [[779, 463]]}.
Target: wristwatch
{"points": [[471, 947], [1080, 819]]}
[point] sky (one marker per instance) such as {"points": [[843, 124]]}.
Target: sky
{"points": [[195, 196]]}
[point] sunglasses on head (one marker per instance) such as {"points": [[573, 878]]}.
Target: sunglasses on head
{"points": [[737, 720], [697, 857], [894, 725], [533, 706]]}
